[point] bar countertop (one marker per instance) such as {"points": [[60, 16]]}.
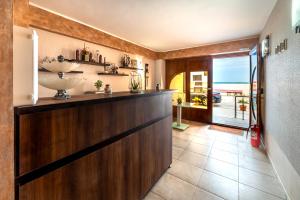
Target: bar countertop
{"points": [[49, 103]]}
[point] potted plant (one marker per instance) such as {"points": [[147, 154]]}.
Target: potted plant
{"points": [[243, 107], [135, 82], [135, 86], [196, 100], [98, 84]]}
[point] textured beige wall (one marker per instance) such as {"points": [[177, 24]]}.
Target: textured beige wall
{"points": [[51, 44], [282, 97], [6, 108]]}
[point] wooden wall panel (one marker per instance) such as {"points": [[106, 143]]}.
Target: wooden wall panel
{"points": [[6, 110], [27, 15], [226, 47], [51, 135], [124, 170]]}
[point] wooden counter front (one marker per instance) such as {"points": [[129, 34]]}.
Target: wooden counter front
{"points": [[111, 147]]}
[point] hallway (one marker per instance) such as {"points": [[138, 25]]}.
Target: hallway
{"points": [[209, 164]]}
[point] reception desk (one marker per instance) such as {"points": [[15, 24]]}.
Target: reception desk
{"points": [[93, 146]]}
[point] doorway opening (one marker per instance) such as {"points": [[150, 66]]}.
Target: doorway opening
{"points": [[231, 91]]}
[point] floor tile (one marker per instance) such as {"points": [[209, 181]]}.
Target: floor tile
{"points": [[231, 148], [224, 156], [193, 158], [180, 142], [249, 193], [194, 130], [171, 187], [182, 135], [222, 168], [153, 196], [247, 150], [199, 148], [221, 186], [256, 165], [226, 138], [217, 162], [204, 195], [262, 182], [176, 152], [186, 172], [203, 141]]}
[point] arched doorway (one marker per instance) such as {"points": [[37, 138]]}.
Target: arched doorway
{"points": [[178, 83]]}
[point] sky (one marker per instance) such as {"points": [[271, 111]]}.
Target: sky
{"points": [[231, 70]]}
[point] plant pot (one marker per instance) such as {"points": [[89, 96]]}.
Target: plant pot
{"points": [[134, 91], [243, 108]]}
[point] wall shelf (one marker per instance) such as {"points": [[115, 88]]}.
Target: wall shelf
{"points": [[132, 68], [111, 74], [71, 72], [91, 63]]}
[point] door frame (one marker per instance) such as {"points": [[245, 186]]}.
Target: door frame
{"points": [[233, 55], [188, 65]]}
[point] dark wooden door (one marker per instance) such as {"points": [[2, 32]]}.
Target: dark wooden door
{"points": [[199, 84], [191, 66]]}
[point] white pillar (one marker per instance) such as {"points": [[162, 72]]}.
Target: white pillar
{"points": [[179, 115]]}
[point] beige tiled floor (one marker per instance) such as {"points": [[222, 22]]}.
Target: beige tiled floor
{"points": [[213, 165]]}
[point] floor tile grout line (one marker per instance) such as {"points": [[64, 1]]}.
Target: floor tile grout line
{"points": [[238, 182], [158, 195], [239, 154], [221, 160], [197, 186], [210, 157], [262, 190], [261, 173]]}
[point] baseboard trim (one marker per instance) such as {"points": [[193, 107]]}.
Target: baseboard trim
{"points": [[277, 175], [289, 178]]}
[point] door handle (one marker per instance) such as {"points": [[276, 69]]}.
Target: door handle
{"points": [[208, 88]]}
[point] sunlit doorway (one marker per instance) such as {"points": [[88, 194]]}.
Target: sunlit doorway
{"points": [[231, 91]]}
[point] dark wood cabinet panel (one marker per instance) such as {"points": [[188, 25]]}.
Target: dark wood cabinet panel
{"points": [[123, 170], [50, 135]]}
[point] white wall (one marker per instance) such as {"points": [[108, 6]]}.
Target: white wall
{"points": [[282, 98], [51, 44], [160, 73]]}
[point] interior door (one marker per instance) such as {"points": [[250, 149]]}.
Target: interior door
{"points": [[199, 88]]}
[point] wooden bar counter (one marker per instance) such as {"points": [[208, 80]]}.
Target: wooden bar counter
{"points": [[91, 147]]}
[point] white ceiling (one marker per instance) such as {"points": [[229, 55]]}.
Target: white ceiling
{"points": [[164, 25]]}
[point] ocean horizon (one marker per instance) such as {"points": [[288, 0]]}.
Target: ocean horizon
{"points": [[231, 82]]}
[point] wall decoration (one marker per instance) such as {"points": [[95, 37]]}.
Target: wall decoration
{"points": [[146, 75], [265, 46], [61, 83], [125, 61], [133, 63], [281, 47]]}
